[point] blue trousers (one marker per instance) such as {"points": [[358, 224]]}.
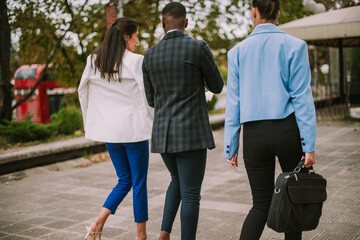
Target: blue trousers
{"points": [[131, 162], [187, 173]]}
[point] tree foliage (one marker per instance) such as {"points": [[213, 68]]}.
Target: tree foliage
{"points": [[218, 22], [214, 21], [147, 14], [291, 10], [39, 24], [337, 4]]}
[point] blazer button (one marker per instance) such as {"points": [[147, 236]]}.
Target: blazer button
{"points": [[228, 146], [303, 144], [227, 151], [302, 139]]}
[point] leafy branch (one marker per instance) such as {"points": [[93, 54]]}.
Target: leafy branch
{"points": [[52, 54]]}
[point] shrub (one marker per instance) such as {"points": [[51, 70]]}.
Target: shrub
{"points": [[211, 104], [67, 120], [26, 131], [71, 100]]}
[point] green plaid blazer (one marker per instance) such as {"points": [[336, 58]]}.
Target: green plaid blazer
{"points": [[176, 72]]}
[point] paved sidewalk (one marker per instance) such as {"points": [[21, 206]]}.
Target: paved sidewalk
{"points": [[57, 201]]}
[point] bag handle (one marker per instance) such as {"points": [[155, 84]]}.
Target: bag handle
{"points": [[299, 167]]}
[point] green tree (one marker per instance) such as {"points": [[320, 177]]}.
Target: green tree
{"points": [[42, 23], [69, 30], [337, 4], [213, 21], [147, 14], [217, 22], [290, 11]]}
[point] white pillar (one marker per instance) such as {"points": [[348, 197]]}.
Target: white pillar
{"points": [[121, 3]]}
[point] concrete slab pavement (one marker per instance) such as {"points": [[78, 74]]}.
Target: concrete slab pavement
{"points": [[57, 201]]}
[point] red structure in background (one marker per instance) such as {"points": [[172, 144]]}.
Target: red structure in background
{"points": [[46, 98], [111, 15]]}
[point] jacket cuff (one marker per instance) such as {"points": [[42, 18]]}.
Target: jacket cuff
{"points": [[307, 146], [229, 151]]}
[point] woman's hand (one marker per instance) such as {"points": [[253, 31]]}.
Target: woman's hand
{"points": [[233, 162], [309, 159]]}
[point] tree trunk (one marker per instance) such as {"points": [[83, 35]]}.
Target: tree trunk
{"points": [[5, 84]]}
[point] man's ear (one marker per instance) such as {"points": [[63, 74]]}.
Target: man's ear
{"points": [[253, 13], [186, 23], [163, 22], [277, 16]]}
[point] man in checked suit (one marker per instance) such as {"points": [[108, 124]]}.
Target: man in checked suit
{"points": [[176, 71]]}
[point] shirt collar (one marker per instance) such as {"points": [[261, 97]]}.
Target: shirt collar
{"points": [[266, 28], [172, 30], [175, 33]]}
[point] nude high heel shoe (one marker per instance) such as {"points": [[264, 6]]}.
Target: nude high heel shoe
{"points": [[91, 235], [136, 238]]}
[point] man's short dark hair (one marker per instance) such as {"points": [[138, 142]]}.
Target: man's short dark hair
{"points": [[174, 9], [268, 8]]}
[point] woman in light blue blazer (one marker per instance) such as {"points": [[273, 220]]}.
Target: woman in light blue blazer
{"points": [[268, 92]]}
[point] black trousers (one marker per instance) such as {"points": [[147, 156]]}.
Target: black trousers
{"points": [[187, 173], [263, 140]]}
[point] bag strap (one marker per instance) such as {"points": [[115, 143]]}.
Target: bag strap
{"points": [[280, 181], [299, 166]]}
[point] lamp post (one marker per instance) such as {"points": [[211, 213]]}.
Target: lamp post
{"points": [[313, 7], [348, 81], [325, 70]]}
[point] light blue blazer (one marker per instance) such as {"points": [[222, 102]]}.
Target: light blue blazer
{"points": [[268, 78]]}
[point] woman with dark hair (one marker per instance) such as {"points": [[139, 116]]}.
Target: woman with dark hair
{"points": [[115, 111], [268, 91]]}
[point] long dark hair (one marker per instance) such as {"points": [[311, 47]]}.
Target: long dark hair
{"points": [[268, 8], [110, 54]]}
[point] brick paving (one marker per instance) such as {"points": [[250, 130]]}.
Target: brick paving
{"points": [[57, 201]]}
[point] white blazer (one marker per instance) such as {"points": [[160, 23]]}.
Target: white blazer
{"points": [[115, 112]]}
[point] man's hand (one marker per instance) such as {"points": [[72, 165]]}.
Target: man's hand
{"points": [[209, 96], [233, 162], [309, 159]]}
